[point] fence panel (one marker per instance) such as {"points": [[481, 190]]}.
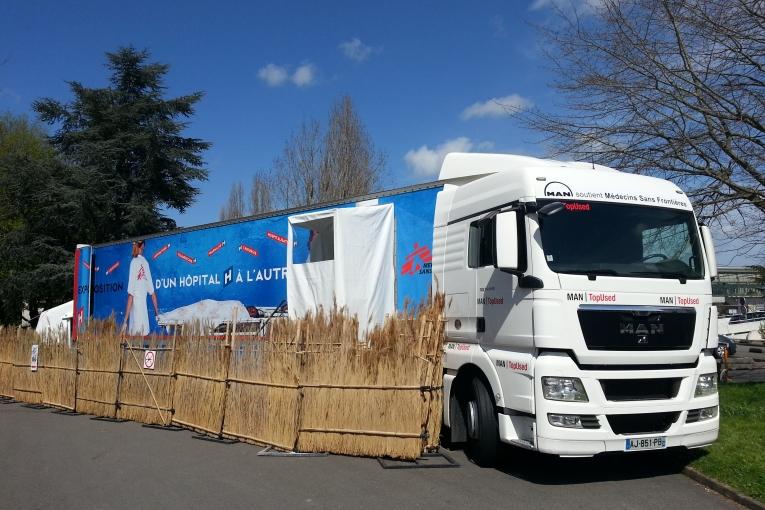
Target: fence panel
{"points": [[98, 371], [7, 357], [262, 400], [58, 370], [26, 382], [145, 393], [200, 384]]}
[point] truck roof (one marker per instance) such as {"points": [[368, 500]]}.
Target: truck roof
{"points": [[460, 165]]}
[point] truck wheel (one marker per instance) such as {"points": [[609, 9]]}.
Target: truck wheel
{"points": [[482, 426]]}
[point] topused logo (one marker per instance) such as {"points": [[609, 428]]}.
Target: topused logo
{"points": [[557, 189]]}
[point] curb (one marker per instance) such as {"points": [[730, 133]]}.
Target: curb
{"points": [[723, 489]]}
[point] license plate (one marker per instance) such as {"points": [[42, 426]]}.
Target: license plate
{"points": [[645, 443]]}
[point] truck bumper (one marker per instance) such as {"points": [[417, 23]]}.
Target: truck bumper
{"points": [[611, 422]]}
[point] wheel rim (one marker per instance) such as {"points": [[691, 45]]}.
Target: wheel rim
{"points": [[472, 419]]}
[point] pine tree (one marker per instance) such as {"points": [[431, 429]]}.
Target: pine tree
{"points": [[126, 139]]}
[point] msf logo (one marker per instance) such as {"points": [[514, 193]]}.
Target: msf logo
{"points": [[641, 331], [557, 189], [418, 261]]}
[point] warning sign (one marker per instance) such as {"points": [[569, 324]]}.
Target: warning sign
{"points": [[33, 361], [148, 359]]}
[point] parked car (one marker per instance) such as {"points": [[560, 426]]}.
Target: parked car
{"points": [[725, 342]]}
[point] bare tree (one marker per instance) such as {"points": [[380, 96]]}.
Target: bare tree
{"points": [[260, 195], [340, 163], [671, 88], [351, 165], [235, 207], [298, 167], [315, 166]]}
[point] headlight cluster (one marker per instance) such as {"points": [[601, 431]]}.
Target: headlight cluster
{"points": [[566, 389], [706, 385], [569, 421]]}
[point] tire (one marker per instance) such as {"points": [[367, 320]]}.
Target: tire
{"points": [[483, 430]]}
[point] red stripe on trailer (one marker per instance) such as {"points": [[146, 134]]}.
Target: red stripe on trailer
{"points": [[159, 252], [276, 237], [248, 249], [215, 249], [185, 257]]}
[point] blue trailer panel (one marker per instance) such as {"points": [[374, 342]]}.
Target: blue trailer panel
{"points": [[245, 260]]}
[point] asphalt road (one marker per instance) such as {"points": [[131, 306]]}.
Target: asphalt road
{"points": [[59, 462]]}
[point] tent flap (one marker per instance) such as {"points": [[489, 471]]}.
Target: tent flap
{"points": [[360, 274]]}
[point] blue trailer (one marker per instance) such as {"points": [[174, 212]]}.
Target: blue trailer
{"points": [[242, 260]]}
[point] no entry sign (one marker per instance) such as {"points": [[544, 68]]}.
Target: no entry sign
{"points": [[148, 359]]}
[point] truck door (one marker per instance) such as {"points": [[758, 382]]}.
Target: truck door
{"points": [[503, 310]]}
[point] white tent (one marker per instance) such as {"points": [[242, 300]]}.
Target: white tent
{"points": [[350, 262], [56, 321]]}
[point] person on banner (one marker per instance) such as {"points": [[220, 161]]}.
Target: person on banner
{"points": [[140, 284]]}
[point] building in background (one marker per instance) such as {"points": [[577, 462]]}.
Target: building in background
{"points": [[734, 284]]}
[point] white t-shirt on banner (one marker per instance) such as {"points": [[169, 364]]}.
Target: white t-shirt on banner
{"points": [[140, 285]]}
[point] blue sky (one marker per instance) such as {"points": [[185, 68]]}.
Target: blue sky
{"points": [[422, 74]]}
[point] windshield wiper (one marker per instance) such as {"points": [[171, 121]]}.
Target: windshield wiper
{"points": [[663, 274], [592, 274]]}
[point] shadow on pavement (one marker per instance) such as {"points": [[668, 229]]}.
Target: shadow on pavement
{"points": [[546, 469]]}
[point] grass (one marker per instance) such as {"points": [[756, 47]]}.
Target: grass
{"points": [[738, 456]]}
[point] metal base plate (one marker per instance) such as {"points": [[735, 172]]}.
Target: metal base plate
{"points": [[35, 406], [438, 459], [106, 418], [66, 412], [271, 452], [214, 439], [172, 428]]}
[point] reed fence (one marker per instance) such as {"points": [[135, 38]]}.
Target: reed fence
{"points": [[308, 385]]}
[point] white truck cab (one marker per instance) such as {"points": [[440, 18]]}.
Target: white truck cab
{"points": [[579, 309]]}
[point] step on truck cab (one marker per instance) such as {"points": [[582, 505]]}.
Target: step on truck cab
{"points": [[579, 309]]}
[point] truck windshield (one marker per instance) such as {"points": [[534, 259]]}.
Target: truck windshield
{"points": [[621, 240]]}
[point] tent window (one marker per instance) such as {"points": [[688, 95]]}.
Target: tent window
{"points": [[318, 238]]}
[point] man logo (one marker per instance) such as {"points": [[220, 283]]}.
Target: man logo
{"points": [[557, 189]]}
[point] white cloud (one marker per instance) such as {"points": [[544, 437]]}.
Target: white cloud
{"points": [[426, 162], [304, 75], [496, 107], [273, 75], [356, 50]]}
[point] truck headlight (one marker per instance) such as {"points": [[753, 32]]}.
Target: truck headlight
{"points": [[569, 421], [567, 389], [706, 385]]}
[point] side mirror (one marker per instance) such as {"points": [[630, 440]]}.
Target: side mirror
{"points": [[506, 240], [709, 248]]}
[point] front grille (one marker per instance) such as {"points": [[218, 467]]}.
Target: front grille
{"points": [[693, 416], [641, 423], [619, 390], [637, 328]]}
